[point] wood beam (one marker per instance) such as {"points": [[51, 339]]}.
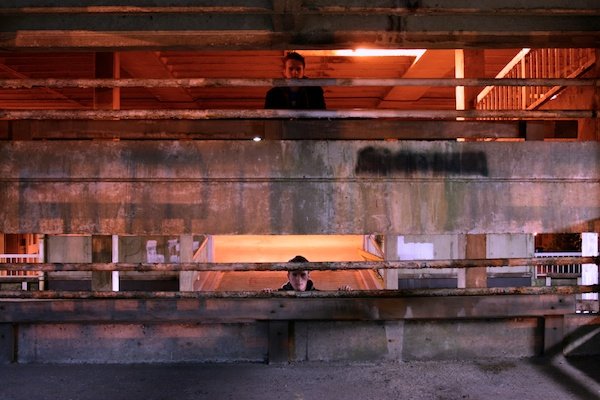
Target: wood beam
{"points": [[266, 129], [312, 266], [193, 114], [282, 309]]}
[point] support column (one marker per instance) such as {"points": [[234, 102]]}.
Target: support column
{"points": [[279, 341], [468, 63], [7, 343], [390, 276], [589, 272], [554, 334]]}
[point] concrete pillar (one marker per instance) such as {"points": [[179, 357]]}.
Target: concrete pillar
{"points": [[589, 272], [390, 276], [7, 343]]}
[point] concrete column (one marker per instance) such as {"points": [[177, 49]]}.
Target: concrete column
{"points": [[186, 254], [390, 276], [589, 272], [7, 343]]}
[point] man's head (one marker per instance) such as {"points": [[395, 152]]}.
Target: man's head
{"points": [[293, 66], [299, 279]]}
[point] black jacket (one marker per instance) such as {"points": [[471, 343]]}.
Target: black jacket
{"points": [[309, 286], [306, 98]]}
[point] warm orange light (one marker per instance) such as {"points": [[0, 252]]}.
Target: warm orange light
{"points": [[380, 52], [417, 53]]}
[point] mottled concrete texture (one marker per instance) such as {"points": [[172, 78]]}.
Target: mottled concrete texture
{"points": [[351, 341], [299, 187], [142, 343]]}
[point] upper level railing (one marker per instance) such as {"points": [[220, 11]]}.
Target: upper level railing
{"points": [[533, 64], [543, 270]]}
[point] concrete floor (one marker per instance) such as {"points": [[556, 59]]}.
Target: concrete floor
{"points": [[544, 379]]}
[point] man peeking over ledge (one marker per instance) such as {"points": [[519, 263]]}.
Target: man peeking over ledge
{"points": [[299, 280], [295, 97]]}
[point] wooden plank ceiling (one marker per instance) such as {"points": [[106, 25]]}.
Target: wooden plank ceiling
{"points": [[234, 64]]}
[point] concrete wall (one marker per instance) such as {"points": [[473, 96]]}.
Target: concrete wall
{"points": [[306, 341], [141, 343], [299, 187]]}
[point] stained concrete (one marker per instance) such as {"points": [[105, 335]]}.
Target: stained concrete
{"points": [[298, 187], [531, 379]]}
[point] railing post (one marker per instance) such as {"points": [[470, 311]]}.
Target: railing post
{"points": [[186, 254], [589, 272]]}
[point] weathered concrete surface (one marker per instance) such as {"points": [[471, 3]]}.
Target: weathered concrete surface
{"points": [[285, 187], [539, 379], [465, 340], [142, 343], [313, 24], [297, 340]]}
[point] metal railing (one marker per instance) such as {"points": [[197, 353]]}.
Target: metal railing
{"points": [[545, 270], [533, 64], [22, 277]]}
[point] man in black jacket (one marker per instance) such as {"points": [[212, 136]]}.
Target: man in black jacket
{"points": [[298, 280], [295, 97]]}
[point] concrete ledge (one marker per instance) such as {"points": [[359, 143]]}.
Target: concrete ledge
{"points": [[141, 343], [346, 341]]}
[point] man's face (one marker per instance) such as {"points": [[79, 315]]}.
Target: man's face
{"points": [[298, 280], [293, 69]]}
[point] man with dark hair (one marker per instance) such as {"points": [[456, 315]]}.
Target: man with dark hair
{"points": [[295, 97], [298, 280]]}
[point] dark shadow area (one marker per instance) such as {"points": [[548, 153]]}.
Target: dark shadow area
{"points": [[380, 161], [585, 366]]}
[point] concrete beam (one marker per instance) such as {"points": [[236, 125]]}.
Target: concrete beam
{"points": [[245, 309], [321, 24], [306, 187]]}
